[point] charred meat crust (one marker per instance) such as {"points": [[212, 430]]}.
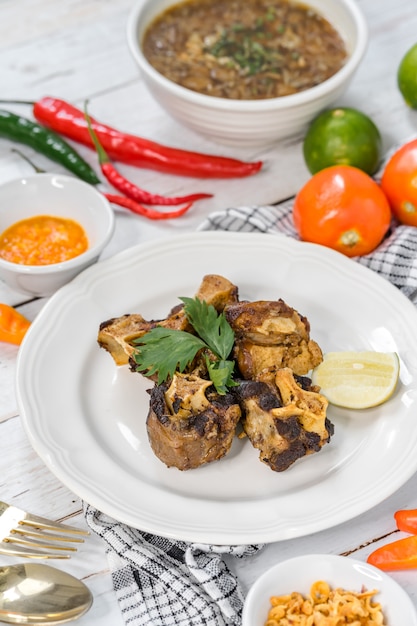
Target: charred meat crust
{"points": [[192, 441], [283, 419], [271, 335]]}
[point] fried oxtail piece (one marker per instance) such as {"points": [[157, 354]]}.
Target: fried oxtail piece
{"points": [[271, 334], [118, 335], [284, 417], [189, 424]]}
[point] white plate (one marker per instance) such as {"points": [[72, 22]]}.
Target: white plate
{"points": [[86, 417], [300, 573]]}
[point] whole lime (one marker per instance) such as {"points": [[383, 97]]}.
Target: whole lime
{"points": [[407, 77], [342, 136]]}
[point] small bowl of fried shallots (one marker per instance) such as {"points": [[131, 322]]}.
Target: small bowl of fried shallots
{"points": [[320, 585]]}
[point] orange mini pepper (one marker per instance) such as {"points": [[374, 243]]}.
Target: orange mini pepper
{"points": [[398, 555], [13, 325], [407, 520]]}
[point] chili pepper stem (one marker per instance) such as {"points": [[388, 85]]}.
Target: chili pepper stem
{"points": [[29, 102], [101, 153], [37, 169]]}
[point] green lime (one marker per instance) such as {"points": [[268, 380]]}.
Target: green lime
{"points": [[407, 77], [342, 136]]}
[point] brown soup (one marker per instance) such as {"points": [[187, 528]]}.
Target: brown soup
{"points": [[244, 49]]}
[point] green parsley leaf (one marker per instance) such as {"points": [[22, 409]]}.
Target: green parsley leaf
{"points": [[164, 350], [221, 375], [211, 326]]}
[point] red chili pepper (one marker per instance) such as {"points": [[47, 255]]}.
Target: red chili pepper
{"points": [[407, 520], [400, 554], [120, 183], [69, 121], [152, 214]]}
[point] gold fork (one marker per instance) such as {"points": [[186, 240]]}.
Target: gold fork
{"points": [[27, 535]]}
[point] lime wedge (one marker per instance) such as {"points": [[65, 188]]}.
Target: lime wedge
{"points": [[357, 380]]}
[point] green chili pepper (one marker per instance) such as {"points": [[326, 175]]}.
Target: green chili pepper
{"points": [[48, 143]]}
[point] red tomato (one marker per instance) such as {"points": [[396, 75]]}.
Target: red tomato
{"points": [[342, 208], [399, 183]]}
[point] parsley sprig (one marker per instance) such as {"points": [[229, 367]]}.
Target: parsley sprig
{"points": [[163, 351]]}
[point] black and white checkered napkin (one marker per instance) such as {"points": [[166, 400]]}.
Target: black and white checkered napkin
{"points": [[162, 582], [395, 258]]}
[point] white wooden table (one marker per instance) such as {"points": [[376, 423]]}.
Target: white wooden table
{"points": [[77, 50]]}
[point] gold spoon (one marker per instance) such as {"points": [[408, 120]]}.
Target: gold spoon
{"points": [[33, 593]]}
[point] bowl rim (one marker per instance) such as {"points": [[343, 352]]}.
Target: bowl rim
{"points": [[81, 259], [268, 104], [383, 581]]}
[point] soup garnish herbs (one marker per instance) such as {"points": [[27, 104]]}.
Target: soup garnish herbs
{"points": [[244, 49]]}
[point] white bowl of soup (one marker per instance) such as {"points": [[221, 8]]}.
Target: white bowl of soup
{"points": [[242, 72], [51, 228]]}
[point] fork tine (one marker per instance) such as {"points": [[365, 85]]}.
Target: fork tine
{"points": [[12, 550], [42, 545], [41, 522], [24, 534], [19, 517], [45, 535]]}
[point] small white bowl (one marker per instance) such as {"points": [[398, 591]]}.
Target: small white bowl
{"points": [[300, 573], [56, 195], [250, 122]]}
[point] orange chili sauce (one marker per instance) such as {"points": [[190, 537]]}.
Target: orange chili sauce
{"points": [[42, 240]]}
